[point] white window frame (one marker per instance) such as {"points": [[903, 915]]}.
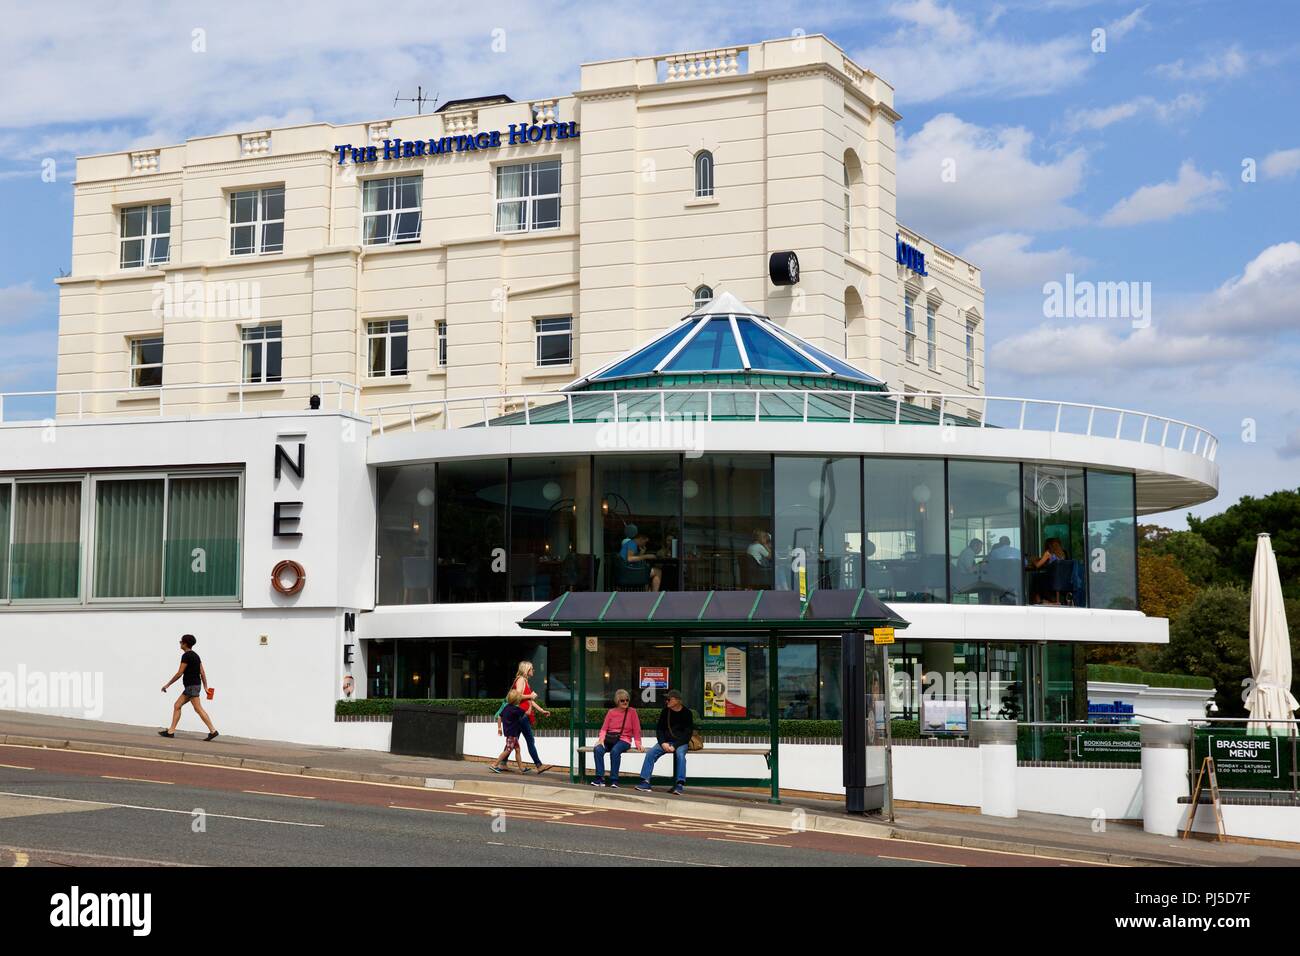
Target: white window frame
{"points": [[701, 302], [134, 366], [84, 543], [539, 333], [262, 345], [529, 198], [393, 213], [909, 328], [704, 174], [970, 353], [259, 222], [848, 212], [147, 238], [932, 336], [90, 525], [442, 344], [388, 334]]}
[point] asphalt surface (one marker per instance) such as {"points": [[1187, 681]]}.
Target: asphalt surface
{"points": [[61, 808]]}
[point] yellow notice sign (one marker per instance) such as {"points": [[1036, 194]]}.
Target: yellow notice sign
{"points": [[883, 635]]}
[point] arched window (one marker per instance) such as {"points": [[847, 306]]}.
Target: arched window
{"points": [[703, 296], [848, 211], [703, 174]]}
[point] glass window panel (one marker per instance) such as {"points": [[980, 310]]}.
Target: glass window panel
{"points": [[818, 516], [405, 534], [253, 362], [1112, 556], [546, 213], [550, 527], [1053, 517], [46, 556], [768, 353], [713, 348], [905, 547], [202, 557], [132, 253], [243, 207], [129, 538], [644, 361], [377, 195], [273, 203], [984, 506], [397, 362], [162, 218], [149, 376], [553, 349], [511, 181], [510, 216], [407, 228], [408, 193], [376, 229], [471, 536], [636, 510], [547, 178], [728, 518], [6, 503], [273, 359], [273, 237], [134, 221], [159, 249], [378, 364], [241, 240], [797, 687]]}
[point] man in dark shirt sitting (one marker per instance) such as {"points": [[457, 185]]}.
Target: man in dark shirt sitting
{"points": [[672, 736]]}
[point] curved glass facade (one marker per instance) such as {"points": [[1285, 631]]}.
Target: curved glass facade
{"points": [[909, 529]]}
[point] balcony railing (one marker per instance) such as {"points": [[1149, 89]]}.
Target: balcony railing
{"points": [[807, 406], [80, 404]]}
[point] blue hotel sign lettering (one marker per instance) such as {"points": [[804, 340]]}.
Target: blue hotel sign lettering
{"points": [[909, 256], [519, 134]]}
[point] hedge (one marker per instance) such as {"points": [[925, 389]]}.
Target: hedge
{"points": [[559, 719], [1119, 674]]}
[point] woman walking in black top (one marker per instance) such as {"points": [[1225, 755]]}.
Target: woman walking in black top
{"points": [[195, 680]]}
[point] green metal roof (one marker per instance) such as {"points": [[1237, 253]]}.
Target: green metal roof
{"points": [[826, 612]]}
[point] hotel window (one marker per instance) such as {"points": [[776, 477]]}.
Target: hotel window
{"points": [[703, 174], [146, 235], [909, 328], [147, 362], [554, 341], [185, 548], [386, 348], [931, 337], [263, 350], [45, 558], [703, 296], [442, 344], [970, 352], [848, 212], [257, 221], [528, 197], [391, 208]]}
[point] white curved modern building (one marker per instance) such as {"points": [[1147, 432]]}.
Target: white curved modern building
{"points": [[683, 346]]}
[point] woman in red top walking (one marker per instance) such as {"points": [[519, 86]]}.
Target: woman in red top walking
{"points": [[532, 708]]}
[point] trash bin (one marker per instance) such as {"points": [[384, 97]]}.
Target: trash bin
{"points": [[420, 731]]}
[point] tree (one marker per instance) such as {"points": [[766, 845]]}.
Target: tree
{"points": [[1232, 534], [1196, 557], [1211, 638], [1163, 587]]}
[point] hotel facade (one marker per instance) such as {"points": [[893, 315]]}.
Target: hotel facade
{"points": [[350, 402]]}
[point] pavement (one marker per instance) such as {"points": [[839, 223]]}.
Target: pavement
{"points": [[1057, 837]]}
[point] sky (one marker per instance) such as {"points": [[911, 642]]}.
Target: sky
{"points": [[1048, 141]]}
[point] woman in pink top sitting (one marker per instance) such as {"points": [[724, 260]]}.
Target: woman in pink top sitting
{"points": [[620, 733]]}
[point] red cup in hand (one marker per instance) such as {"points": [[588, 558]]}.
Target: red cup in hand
{"points": [[211, 690]]}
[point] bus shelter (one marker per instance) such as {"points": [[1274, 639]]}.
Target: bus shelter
{"points": [[709, 618]]}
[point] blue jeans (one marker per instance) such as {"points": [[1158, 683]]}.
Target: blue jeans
{"points": [[526, 731], [679, 762], [615, 755]]}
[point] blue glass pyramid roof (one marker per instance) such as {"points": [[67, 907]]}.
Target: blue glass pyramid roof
{"points": [[726, 337]]}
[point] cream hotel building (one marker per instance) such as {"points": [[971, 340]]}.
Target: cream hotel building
{"points": [[498, 246]]}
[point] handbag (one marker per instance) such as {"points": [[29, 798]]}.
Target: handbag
{"points": [[611, 738], [695, 743]]}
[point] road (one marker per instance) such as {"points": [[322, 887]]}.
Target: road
{"points": [[60, 807]]}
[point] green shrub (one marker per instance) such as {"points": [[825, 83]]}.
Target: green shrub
{"points": [[1118, 674]]}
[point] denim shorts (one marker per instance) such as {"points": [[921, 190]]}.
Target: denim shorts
{"points": [[192, 690]]}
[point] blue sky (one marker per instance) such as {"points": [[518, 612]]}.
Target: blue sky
{"points": [[1117, 166]]}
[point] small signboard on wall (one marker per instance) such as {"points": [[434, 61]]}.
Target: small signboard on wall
{"points": [[725, 691], [944, 716], [656, 677]]}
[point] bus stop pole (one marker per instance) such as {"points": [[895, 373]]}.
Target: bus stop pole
{"points": [[853, 697], [574, 643], [773, 722]]}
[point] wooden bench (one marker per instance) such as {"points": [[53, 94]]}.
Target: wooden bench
{"points": [[764, 752]]}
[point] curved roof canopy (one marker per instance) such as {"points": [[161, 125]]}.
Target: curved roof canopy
{"points": [[726, 338]]}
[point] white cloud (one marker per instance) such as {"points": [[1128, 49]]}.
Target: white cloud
{"points": [[1259, 301], [1190, 192], [939, 53], [1185, 104], [1290, 447], [20, 304], [1281, 164], [1224, 65], [1006, 261], [1092, 350], [999, 187], [1118, 29]]}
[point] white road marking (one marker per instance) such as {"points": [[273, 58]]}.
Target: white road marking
{"points": [[14, 766], [912, 859], [20, 858], [131, 806], [617, 856], [454, 813], [272, 793], [104, 776]]}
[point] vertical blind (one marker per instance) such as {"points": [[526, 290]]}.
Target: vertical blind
{"points": [[128, 538], [6, 492], [46, 560], [202, 537]]}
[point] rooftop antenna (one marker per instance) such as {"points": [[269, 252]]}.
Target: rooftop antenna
{"points": [[419, 99]]}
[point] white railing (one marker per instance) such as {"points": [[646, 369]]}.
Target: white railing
{"points": [[344, 395], [959, 410], [701, 64]]}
